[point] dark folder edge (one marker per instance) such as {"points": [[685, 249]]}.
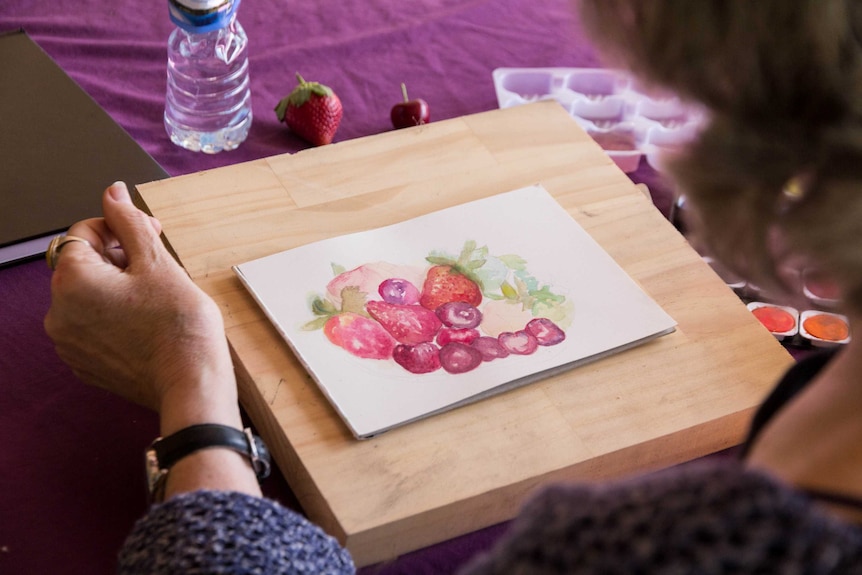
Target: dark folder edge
{"points": [[131, 159]]}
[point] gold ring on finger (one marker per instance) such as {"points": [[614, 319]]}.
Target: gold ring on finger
{"points": [[52, 255]]}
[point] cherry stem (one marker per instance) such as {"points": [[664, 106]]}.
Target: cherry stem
{"points": [[404, 91]]}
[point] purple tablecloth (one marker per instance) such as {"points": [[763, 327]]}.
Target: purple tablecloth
{"points": [[71, 473]]}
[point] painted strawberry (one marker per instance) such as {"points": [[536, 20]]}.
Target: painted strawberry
{"points": [[454, 279], [444, 284], [312, 111], [410, 324], [347, 325], [419, 358], [359, 335]]}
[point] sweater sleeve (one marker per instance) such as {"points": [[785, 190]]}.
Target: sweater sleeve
{"points": [[212, 532], [696, 519]]}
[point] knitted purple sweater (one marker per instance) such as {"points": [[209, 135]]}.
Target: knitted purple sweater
{"points": [[704, 518], [711, 517], [209, 532]]}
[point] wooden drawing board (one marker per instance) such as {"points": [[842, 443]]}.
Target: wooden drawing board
{"points": [[680, 397]]}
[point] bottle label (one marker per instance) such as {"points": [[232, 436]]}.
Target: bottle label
{"points": [[201, 16]]}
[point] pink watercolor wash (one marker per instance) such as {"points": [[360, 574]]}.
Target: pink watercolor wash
{"points": [[443, 315]]}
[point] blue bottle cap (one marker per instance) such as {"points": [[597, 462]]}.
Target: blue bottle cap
{"points": [[202, 15]]}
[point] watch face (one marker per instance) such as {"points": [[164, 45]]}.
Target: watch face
{"points": [[259, 454], [260, 459], [155, 475]]}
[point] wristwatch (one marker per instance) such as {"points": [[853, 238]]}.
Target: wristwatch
{"points": [[164, 452]]}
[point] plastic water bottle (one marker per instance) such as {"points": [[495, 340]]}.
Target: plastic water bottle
{"points": [[208, 101]]}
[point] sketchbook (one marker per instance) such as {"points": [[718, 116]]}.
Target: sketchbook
{"points": [[60, 150], [409, 320]]}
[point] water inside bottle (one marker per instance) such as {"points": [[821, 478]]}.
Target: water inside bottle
{"points": [[208, 104]]}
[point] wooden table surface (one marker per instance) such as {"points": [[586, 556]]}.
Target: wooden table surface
{"points": [[677, 398]]}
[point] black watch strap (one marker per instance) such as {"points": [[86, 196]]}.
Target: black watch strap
{"points": [[166, 451]]}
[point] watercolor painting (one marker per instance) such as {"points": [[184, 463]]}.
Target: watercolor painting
{"points": [[454, 314], [410, 320]]}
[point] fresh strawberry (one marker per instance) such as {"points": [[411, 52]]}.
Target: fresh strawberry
{"points": [[419, 358], [410, 324], [359, 335], [312, 111], [444, 284]]}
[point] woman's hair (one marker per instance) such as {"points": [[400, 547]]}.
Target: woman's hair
{"points": [[782, 84]]}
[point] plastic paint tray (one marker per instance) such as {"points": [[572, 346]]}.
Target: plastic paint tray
{"points": [[626, 121], [819, 292]]}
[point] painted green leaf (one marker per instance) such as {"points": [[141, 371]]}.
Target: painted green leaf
{"points": [[353, 300], [514, 262], [315, 324], [320, 306], [439, 260]]}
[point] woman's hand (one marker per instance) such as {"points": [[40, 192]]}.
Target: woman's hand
{"points": [[127, 318]]}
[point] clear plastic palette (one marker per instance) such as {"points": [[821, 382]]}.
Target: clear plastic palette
{"points": [[626, 121]]}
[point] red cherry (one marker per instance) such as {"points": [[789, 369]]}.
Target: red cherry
{"points": [[410, 112]]}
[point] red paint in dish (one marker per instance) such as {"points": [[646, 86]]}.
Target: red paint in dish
{"points": [[775, 319]]}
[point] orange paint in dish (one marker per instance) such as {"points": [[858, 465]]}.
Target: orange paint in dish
{"points": [[826, 327], [775, 319]]}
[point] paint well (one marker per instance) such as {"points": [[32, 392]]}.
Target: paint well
{"points": [[775, 319], [826, 326]]}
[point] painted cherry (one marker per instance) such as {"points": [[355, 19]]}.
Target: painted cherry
{"points": [[410, 112]]}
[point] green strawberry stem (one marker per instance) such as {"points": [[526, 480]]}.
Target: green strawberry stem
{"points": [[300, 95], [352, 300], [281, 109]]}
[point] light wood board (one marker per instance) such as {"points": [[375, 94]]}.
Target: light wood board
{"points": [[680, 397]]}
